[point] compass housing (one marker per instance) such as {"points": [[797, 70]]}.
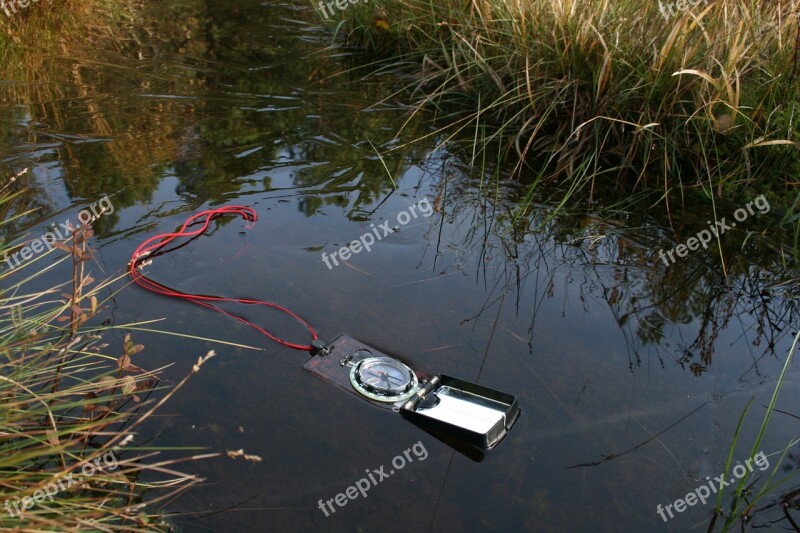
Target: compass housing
{"points": [[384, 379]]}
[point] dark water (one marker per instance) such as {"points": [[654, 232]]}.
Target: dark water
{"points": [[631, 376]]}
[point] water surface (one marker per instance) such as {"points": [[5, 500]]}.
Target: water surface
{"points": [[631, 375]]}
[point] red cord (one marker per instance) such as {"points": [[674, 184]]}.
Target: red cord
{"points": [[151, 246]]}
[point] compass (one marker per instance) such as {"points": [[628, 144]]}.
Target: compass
{"points": [[384, 379], [460, 411]]}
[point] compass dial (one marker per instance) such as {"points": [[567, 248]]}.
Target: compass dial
{"points": [[383, 379]]}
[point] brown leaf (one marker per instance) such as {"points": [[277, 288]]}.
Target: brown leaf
{"points": [[723, 123], [62, 246], [52, 438], [145, 384], [614, 296], [124, 362], [76, 309], [63, 319], [91, 405], [136, 349], [82, 235]]}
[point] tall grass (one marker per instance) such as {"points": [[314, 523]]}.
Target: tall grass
{"points": [[66, 403], [607, 92]]}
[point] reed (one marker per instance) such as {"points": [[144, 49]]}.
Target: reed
{"points": [[66, 403], [601, 93]]}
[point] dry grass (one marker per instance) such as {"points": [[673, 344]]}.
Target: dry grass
{"points": [[65, 402], [601, 92]]}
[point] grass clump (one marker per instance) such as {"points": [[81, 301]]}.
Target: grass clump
{"points": [[607, 93], [69, 410]]}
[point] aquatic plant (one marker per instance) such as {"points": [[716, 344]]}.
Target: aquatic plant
{"points": [[594, 94], [67, 402]]}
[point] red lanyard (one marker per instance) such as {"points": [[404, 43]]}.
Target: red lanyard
{"points": [[152, 248]]}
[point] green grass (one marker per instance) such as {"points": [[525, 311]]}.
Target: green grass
{"points": [[745, 499], [605, 93]]}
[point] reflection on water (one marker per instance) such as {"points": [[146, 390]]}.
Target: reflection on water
{"points": [[631, 376]]}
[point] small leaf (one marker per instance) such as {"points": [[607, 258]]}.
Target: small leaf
{"points": [[88, 280], [62, 246], [124, 362], [614, 296], [145, 384], [136, 349], [63, 318], [52, 438], [93, 301], [76, 309], [128, 385], [90, 405]]}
